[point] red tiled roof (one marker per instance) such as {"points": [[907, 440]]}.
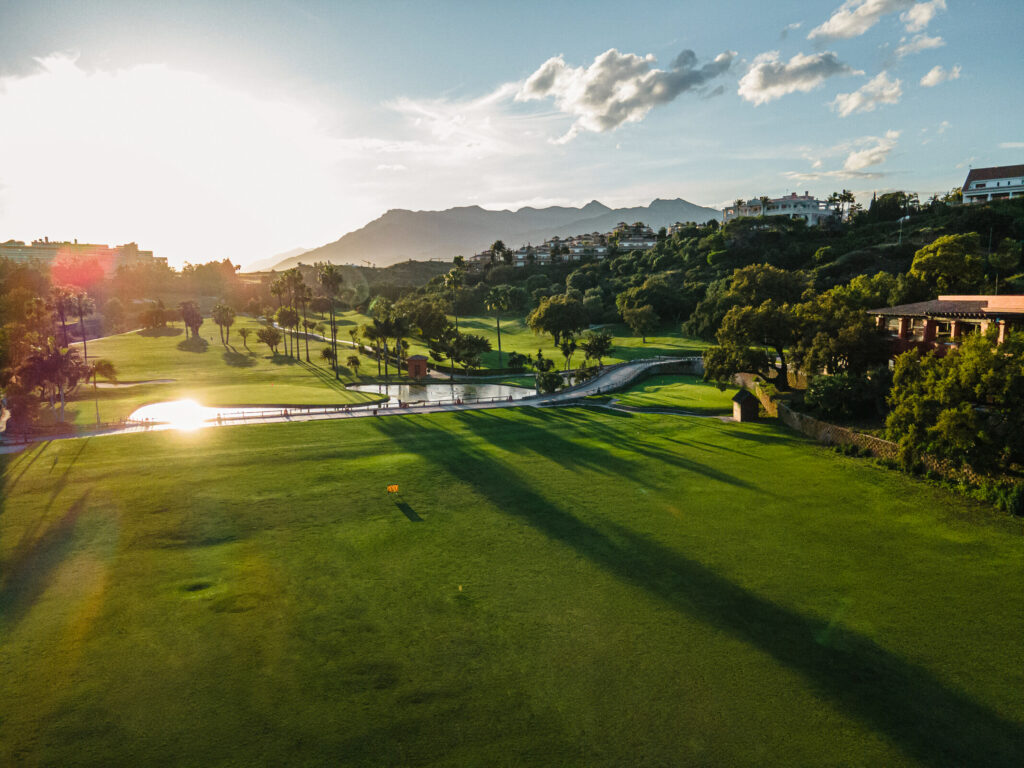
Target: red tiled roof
{"points": [[944, 308], [998, 172]]}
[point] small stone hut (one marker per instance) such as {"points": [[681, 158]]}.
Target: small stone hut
{"points": [[745, 406], [417, 365]]}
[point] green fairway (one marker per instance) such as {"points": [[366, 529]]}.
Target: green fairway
{"points": [[552, 587], [214, 374], [690, 393], [516, 336]]}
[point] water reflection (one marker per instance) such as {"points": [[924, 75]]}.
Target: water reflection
{"points": [[434, 391]]}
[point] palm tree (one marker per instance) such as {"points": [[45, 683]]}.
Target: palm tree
{"points": [[383, 313], [353, 363], [54, 370], [498, 300], [327, 353], [286, 318], [244, 333], [371, 335], [330, 278], [304, 294], [61, 303], [224, 317], [106, 369], [401, 326], [453, 281], [353, 332], [229, 320], [85, 306]]}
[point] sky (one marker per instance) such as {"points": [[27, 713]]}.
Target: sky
{"points": [[212, 130]]}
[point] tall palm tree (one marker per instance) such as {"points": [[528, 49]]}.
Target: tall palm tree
{"points": [[383, 313], [105, 368], [304, 294], [498, 300], [61, 303], [453, 281], [85, 306], [371, 335], [330, 278], [401, 326]]}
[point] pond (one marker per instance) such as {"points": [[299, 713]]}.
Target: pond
{"points": [[188, 414], [435, 391]]}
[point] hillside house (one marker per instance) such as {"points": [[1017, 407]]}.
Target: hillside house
{"points": [[793, 206], [636, 237], [938, 325], [997, 183]]}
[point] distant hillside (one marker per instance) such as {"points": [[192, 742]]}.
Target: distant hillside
{"points": [[399, 234], [270, 261]]}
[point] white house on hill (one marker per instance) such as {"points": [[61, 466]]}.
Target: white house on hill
{"points": [[793, 206], [998, 183]]}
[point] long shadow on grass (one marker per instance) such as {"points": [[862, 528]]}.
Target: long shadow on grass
{"points": [[497, 429], [915, 710], [28, 570]]}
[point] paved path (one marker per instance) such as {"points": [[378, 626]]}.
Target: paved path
{"points": [[611, 379]]}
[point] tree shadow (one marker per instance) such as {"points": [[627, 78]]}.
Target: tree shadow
{"points": [[193, 344], [237, 359], [920, 714], [165, 331], [28, 570], [279, 359]]}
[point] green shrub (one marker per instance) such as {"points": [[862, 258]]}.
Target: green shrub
{"points": [[1015, 500]]}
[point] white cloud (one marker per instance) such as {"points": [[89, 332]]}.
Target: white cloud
{"points": [[769, 78], [875, 152], [1012, 145], [790, 28], [855, 17], [944, 126], [879, 90], [617, 87], [937, 75], [917, 44], [920, 15], [860, 156]]}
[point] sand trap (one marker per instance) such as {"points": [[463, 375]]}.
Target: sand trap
{"points": [[119, 384]]}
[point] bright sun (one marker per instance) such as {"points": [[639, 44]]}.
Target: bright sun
{"points": [[186, 415]]}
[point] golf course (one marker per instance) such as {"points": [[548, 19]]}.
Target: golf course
{"points": [[549, 586]]}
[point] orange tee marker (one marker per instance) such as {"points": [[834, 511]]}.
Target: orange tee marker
{"points": [[393, 488]]}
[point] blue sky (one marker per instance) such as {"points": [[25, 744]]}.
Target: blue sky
{"points": [[209, 130]]}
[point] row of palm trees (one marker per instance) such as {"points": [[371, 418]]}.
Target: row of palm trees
{"points": [[294, 297]]}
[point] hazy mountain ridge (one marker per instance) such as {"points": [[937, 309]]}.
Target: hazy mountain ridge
{"points": [[277, 258], [401, 234]]}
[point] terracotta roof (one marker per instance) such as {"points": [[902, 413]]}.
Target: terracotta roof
{"points": [[998, 172], [944, 308]]}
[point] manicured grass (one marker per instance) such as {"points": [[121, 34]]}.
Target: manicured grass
{"points": [[214, 374], [516, 336], [552, 587], [689, 393]]}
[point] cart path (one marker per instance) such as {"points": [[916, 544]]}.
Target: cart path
{"points": [[610, 380]]}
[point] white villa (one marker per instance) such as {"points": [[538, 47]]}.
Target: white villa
{"points": [[794, 206], [635, 237], [998, 183]]}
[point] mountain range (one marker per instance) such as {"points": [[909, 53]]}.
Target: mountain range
{"points": [[400, 235]]}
